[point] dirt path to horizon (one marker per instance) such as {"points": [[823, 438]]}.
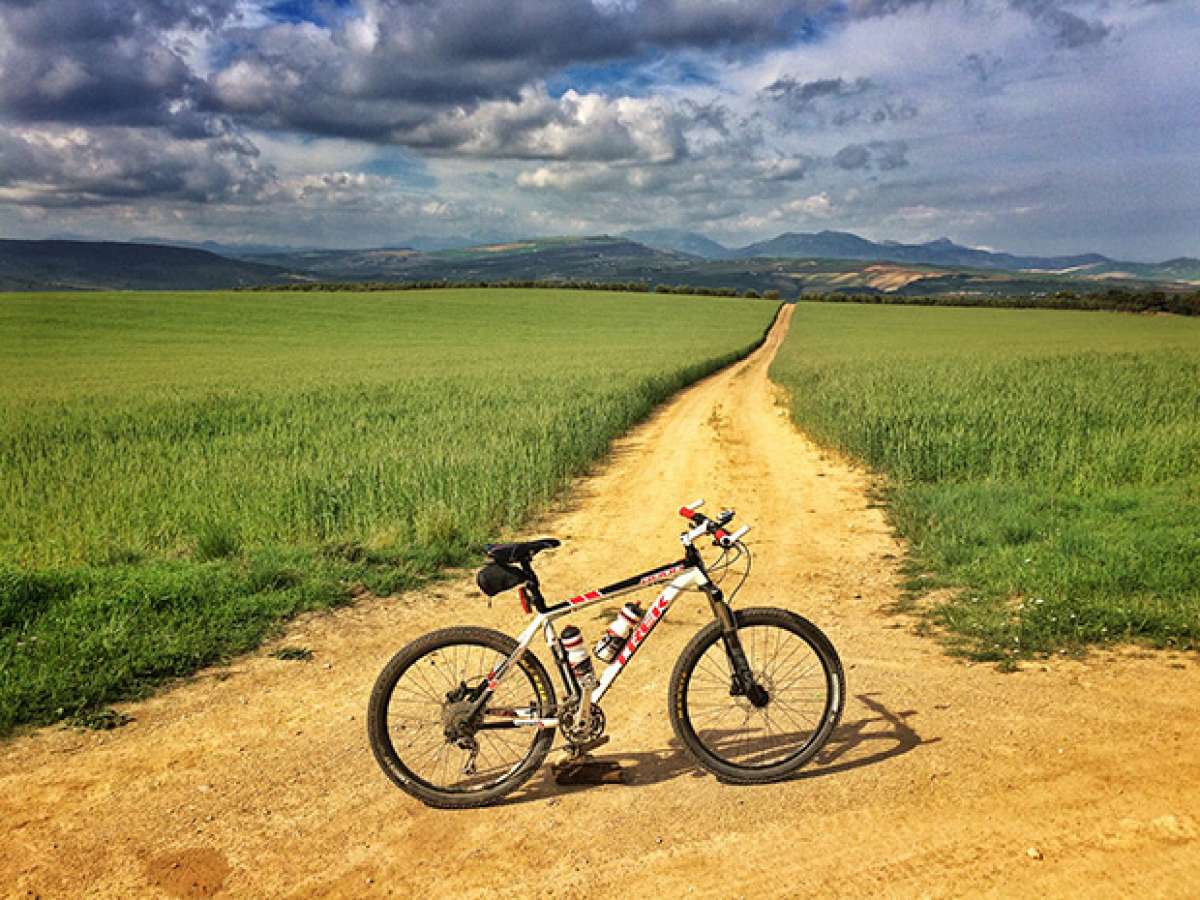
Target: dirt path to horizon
{"points": [[944, 778]]}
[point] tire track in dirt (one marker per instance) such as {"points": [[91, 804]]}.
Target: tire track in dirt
{"points": [[255, 779]]}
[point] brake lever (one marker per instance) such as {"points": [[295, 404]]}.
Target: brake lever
{"points": [[729, 540]]}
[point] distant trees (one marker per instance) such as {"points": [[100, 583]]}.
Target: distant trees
{"points": [[564, 284], [1113, 299]]}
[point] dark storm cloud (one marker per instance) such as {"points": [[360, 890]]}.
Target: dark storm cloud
{"points": [[981, 65], [890, 154], [837, 101], [419, 73], [885, 155], [1068, 29], [852, 156], [100, 62], [397, 66], [802, 96]]}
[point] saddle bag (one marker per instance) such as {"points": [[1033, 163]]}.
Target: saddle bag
{"points": [[495, 577]]}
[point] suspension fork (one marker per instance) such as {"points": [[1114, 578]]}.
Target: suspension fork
{"points": [[742, 682], [722, 612]]}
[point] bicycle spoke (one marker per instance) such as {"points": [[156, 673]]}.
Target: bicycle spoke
{"points": [[419, 700], [784, 665]]}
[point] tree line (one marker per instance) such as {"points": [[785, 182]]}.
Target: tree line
{"points": [[1182, 303], [568, 284], [1113, 299]]}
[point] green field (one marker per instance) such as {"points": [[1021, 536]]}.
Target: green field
{"points": [[1044, 465], [178, 472]]}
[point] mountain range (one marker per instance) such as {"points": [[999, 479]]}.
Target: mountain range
{"points": [[844, 245], [791, 263]]}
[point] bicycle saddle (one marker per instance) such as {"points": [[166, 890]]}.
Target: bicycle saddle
{"points": [[520, 551]]}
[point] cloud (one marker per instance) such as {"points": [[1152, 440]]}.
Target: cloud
{"points": [[1068, 29], [852, 156], [837, 101], [61, 166], [583, 127], [817, 206], [780, 168], [393, 68], [885, 155], [585, 179], [802, 96], [116, 62], [890, 155]]}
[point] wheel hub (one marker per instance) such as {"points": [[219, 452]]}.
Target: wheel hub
{"points": [[456, 720], [758, 694]]}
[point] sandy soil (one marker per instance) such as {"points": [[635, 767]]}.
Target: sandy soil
{"points": [[944, 779]]}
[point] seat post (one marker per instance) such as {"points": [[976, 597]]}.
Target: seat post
{"points": [[534, 586]]}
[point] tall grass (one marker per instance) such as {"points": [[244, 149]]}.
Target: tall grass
{"points": [[1044, 465], [177, 472]]}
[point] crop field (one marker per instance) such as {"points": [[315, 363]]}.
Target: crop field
{"points": [[180, 471], [1044, 465]]}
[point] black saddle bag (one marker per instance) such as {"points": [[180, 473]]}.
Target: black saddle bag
{"points": [[494, 578]]}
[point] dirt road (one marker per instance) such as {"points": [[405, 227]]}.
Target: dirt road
{"points": [[944, 779]]}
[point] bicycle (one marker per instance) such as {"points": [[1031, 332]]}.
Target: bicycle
{"points": [[463, 716]]}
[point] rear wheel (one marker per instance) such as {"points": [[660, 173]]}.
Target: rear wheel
{"points": [[415, 718], [772, 735]]}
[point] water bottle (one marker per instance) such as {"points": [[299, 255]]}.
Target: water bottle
{"points": [[618, 632], [577, 655]]}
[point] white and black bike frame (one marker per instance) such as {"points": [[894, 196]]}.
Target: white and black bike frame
{"points": [[687, 574]]}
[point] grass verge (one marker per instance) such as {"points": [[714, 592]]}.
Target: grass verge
{"points": [[1044, 466]]}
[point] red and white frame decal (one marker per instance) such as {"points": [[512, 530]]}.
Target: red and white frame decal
{"points": [[661, 574], [584, 598], [652, 618]]}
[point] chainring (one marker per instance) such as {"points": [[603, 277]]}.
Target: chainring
{"points": [[577, 732]]}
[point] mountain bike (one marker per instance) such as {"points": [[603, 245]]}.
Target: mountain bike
{"points": [[463, 716]]}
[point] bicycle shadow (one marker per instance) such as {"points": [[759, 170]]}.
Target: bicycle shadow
{"points": [[851, 746]]}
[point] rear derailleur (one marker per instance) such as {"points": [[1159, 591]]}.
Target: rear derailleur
{"points": [[459, 723]]}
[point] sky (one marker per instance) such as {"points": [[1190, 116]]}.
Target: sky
{"points": [[1032, 126]]}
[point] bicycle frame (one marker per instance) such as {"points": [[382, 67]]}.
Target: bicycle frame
{"points": [[689, 574]]}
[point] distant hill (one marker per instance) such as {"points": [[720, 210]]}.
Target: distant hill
{"points": [[677, 241], [942, 252], [793, 263], [234, 251], [102, 265], [620, 259], [597, 258]]}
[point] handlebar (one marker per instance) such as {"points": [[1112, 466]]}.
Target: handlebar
{"points": [[715, 526]]}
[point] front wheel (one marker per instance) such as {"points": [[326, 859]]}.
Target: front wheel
{"points": [[767, 738]]}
